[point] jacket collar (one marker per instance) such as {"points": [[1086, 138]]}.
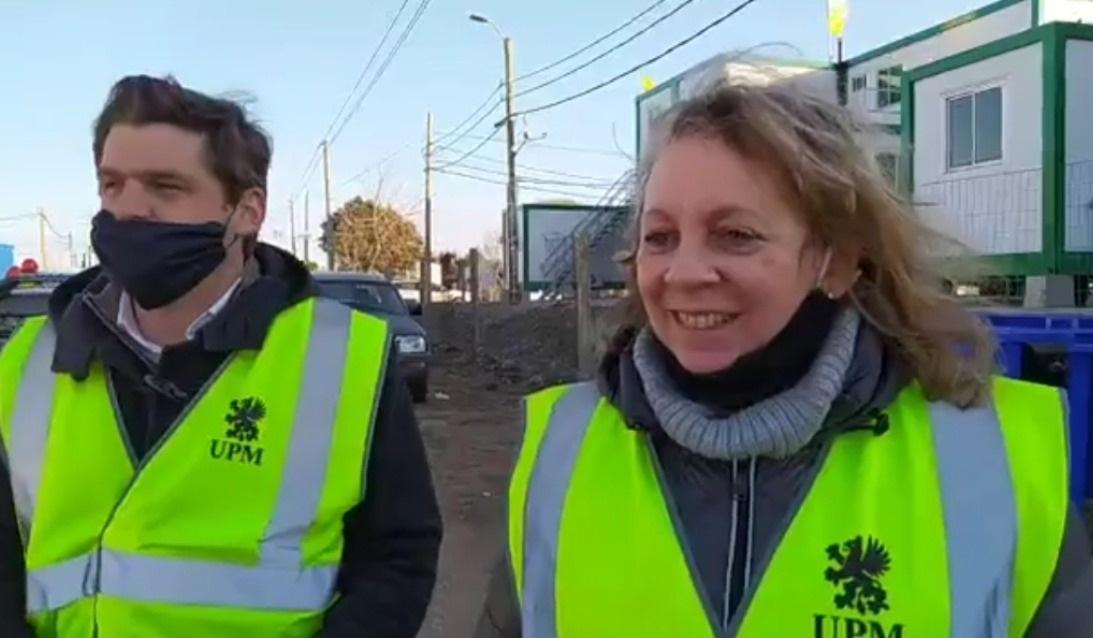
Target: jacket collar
{"points": [[85, 308], [874, 379]]}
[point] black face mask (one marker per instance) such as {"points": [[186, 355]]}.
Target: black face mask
{"points": [[157, 262]]}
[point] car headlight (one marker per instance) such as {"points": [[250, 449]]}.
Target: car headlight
{"points": [[411, 344]]}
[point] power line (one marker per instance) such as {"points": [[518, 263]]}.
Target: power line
{"points": [[598, 40], [652, 25], [367, 66], [53, 230], [314, 161], [562, 182], [529, 188], [533, 179], [466, 134], [547, 171], [403, 37], [380, 162], [571, 149], [475, 113], [312, 164], [740, 7], [471, 152]]}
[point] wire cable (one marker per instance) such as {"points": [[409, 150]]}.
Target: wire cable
{"points": [[469, 153], [534, 179], [740, 7], [475, 113], [390, 156], [367, 66], [502, 183], [466, 134], [403, 37], [547, 171], [580, 67], [592, 44], [571, 149], [312, 164]]}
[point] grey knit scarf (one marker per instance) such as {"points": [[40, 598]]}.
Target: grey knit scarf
{"points": [[775, 427]]}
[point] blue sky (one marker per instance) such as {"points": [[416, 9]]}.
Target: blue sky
{"points": [[298, 60]]}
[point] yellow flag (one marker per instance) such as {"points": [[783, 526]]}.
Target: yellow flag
{"points": [[837, 12], [647, 84]]}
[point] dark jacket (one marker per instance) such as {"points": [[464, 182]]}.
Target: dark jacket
{"points": [[392, 537], [703, 492]]}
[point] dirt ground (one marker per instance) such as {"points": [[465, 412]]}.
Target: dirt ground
{"points": [[471, 427]]}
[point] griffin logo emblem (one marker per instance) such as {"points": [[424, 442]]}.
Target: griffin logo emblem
{"points": [[858, 567], [240, 442], [243, 417]]}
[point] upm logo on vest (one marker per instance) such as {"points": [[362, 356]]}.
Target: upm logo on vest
{"points": [[857, 567], [240, 442]]}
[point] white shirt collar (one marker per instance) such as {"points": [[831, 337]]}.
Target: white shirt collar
{"points": [[127, 320]]}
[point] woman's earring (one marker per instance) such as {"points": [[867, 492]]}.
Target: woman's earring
{"points": [[830, 295]]}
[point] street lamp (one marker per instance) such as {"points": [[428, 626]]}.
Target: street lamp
{"points": [[509, 228], [481, 19]]}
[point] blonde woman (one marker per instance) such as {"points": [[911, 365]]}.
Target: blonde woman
{"points": [[797, 433]]}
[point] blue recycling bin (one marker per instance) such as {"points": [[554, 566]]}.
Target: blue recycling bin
{"points": [[1073, 333]]}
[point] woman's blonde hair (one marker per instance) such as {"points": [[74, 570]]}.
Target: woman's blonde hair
{"points": [[814, 146]]}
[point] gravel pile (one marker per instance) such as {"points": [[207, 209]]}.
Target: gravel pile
{"points": [[532, 345], [536, 347]]}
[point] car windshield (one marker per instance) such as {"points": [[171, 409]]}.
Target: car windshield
{"points": [[366, 295]]}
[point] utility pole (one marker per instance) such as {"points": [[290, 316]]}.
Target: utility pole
{"points": [[512, 240], [42, 236], [427, 257], [326, 197], [292, 226], [307, 227], [71, 252]]}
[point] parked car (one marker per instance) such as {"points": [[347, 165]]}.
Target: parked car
{"points": [[376, 295], [22, 296]]}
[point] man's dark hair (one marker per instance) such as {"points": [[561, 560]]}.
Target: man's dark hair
{"points": [[237, 150]]}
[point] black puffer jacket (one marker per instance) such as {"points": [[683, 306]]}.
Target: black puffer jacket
{"points": [[704, 490], [392, 537]]}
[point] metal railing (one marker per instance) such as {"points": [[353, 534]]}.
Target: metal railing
{"points": [[559, 265], [993, 213]]}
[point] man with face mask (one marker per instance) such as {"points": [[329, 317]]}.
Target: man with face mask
{"points": [[194, 443]]}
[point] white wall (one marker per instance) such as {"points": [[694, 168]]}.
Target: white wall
{"points": [[1066, 11], [994, 208], [956, 38], [1079, 145]]}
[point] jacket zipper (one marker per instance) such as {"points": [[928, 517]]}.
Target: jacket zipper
{"points": [[738, 539], [97, 558]]}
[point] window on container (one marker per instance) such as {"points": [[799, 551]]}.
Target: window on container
{"points": [[888, 86], [857, 84], [974, 128], [988, 125]]}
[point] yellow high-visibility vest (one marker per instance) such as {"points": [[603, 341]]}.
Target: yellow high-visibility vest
{"points": [[232, 524], [949, 525]]}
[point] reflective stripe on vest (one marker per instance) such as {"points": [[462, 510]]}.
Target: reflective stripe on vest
{"points": [[33, 403], [278, 581], [983, 597], [549, 484], [973, 501]]}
